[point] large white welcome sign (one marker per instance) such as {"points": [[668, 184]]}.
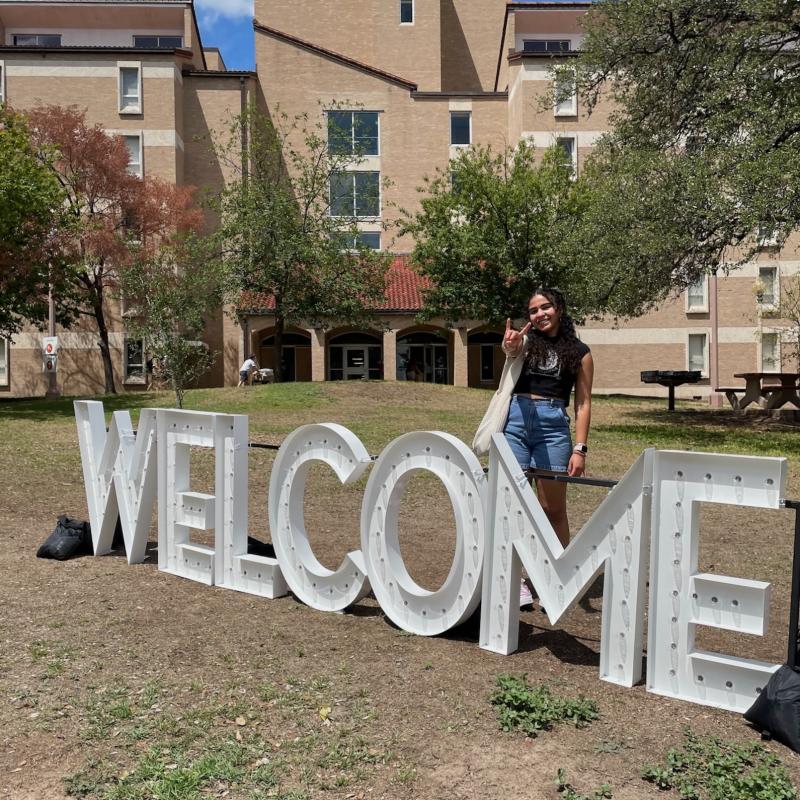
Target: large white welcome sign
{"points": [[647, 525]]}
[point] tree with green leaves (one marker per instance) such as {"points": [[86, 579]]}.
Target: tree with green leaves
{"points": [[288, 233], [171, 294], [31, 224], [703, 159], [493, 228]]}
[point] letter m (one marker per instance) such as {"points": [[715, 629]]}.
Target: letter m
{"points": [[616, 539], [120, 475]]}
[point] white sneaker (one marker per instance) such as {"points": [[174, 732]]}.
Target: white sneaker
{"points": [[525, 596]]}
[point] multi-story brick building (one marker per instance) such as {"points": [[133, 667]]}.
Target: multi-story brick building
{"points": [[431, 77], [140, 70], [422, 79]]}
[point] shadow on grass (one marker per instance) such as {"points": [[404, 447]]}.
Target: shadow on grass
{"points": [[726, 431], [44, 410]]}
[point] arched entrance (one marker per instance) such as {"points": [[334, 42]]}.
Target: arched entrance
{"points": [[424, 357], [296, 355], [355, 355], [485, 359]]}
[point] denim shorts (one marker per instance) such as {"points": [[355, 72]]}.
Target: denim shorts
{"points": [[538, 433]]}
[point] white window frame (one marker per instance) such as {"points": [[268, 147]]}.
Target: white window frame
{"points": [[352, 130], [158, 36], [767, 238], [699, 332], [5, 350], [460, 113], [574, 139], [400, 12], [777, 335], [2, 81], [123, 109], [703, 307], [569, 107], [776, 288], [140, 136], [354, 215], [140, 379]]}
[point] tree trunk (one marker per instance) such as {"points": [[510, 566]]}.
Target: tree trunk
{"points": [[280, 324], [105, 349]]}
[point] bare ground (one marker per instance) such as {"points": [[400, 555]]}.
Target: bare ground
{"points": [[103, 664]]}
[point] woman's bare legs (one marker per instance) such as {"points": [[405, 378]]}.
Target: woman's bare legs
{"points": [[553, 498]]}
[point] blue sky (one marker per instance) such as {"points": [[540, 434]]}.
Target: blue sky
{"points": [[228, 25]]}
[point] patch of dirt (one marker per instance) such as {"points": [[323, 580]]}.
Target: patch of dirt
{"points": [[75, 634]]}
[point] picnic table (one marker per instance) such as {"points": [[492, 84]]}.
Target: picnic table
{"points": [[769, 389]]}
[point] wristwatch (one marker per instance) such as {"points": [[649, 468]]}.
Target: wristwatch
{"points": [[580, 448]]}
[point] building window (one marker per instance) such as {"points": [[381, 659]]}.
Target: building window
{"points": [[406, 12], [546, 46], [158, 42], [134, 144], [353, 133], [4, 362], [37, 39], [770, 353], [697, 296], [570, 147], [768, 286], [355, 194], [566, 97], [2, 82], [371, 240], [697, 353], [130, 90], [461, 127], [767, 236], [134, 361]]}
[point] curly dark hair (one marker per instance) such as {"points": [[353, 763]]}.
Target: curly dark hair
{"points": [[566, 341]]}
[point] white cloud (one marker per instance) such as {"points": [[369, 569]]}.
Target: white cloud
{"points": [[211, 10]]}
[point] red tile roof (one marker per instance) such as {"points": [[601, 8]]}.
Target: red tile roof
{"points": [[404, 288]]}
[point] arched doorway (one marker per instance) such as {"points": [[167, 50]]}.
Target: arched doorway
{"points": [[424, 357], [296, 355], [485, 359], [355, 355]]}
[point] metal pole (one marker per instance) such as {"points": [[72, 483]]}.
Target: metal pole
{"points": [[716, 397], [52, 376], [794, 608]]}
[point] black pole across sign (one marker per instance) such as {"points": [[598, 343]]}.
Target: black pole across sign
{"points": [[794, 607]]}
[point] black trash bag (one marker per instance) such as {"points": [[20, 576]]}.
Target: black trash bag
{"points": [[255, 547], [776, 711], [71, 537]]}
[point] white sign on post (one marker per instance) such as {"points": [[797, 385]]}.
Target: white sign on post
{"points": [[500, 527]]}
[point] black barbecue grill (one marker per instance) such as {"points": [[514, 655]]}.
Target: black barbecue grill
{"points": [[670, 378]]}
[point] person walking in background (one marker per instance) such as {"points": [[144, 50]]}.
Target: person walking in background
{"points": [[545, 360], [247, 369]]}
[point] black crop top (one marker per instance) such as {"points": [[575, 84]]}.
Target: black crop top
{"points": [[548, 379]]}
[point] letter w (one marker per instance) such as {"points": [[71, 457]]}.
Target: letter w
{"points": [[120, 475], [616, 539]]}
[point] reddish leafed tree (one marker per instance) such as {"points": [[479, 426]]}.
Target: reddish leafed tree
{"points": [[117, 216]]}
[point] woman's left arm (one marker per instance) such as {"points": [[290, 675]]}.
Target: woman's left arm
{"points": [[583, 413]]}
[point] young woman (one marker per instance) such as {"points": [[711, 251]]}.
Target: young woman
{"points": [[554, 361]]}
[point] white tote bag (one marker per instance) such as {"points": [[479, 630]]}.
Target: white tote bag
{"points": [[494, 419]]}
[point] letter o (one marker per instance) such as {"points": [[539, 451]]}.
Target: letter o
{"points": [[312, 582], [407, 604]]}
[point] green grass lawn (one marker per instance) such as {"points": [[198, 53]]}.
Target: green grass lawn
{"points": [[124, 683]]}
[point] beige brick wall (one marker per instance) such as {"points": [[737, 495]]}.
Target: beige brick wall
{"points": [[470, 34], [367, 30]]}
